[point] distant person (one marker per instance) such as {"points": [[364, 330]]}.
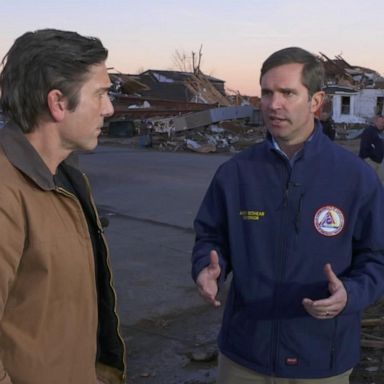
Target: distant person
{"points": [[328, 125], [58, 320], [372, 145], [298, 222]]}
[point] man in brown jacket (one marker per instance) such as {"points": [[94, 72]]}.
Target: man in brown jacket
{"points": [[58, 321]]}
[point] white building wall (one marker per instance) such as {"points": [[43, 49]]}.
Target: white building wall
{"points": [[363, 105], [367, 102]]}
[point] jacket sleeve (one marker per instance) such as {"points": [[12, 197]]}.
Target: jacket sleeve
{"points": [[376, 149], [379, 149], [211, 230], [364, 281], [372, 146], [12, 237]]}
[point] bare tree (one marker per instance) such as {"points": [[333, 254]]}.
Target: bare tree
{"points": [[196, 65], [140, 70], [186, 63], [182, 61]]}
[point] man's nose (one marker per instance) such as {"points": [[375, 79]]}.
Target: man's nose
{"points": [[275, 101], [107, 107]]}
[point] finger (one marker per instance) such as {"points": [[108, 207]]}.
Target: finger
{"points": [[319, 313], [209, 297], [310, 308], [326, 315], [318, 308], [325, 303], [216, 303], [307, 302]]}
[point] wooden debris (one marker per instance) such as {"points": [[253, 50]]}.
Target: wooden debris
{"points": [[377, 344], [372, 322], [372, 337], [200, 86]]}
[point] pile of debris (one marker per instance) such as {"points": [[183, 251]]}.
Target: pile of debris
{"points": [[224, 137], [371, 366], [204, 91]]}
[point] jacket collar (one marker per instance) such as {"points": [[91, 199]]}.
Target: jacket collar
{"points": [[311, 146], [24, 157]]}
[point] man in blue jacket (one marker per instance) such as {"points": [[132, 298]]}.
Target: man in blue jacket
{"points": [[297, 220], [372, 145]]}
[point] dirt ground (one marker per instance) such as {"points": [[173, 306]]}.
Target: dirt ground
{"points": [[177, 349], [180, 348]]}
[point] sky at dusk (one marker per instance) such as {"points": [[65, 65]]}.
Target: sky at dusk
{"points": [[236, 36]]}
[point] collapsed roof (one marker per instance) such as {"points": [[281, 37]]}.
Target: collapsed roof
{"points": [[339, 72]]}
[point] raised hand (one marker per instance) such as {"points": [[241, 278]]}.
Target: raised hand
{"points": [[332, 305]]}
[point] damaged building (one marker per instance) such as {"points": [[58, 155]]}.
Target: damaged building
{"points": [[354, 94], [179, 110]]}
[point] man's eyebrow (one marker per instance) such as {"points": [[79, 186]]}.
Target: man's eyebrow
{"points": [[281, 90], [105, 89]]}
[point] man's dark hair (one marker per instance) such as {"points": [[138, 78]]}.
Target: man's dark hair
{"points": [[312, 75], [39, 62]]}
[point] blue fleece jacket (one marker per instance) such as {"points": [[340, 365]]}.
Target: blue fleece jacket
{"points": [[275, 226], [371, 145]]}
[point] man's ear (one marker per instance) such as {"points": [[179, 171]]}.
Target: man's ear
{"points": [[317, 100], [56, 104]]}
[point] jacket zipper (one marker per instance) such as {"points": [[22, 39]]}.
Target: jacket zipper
{"points": [[298, 214], [276, 324], [333, 346], [101, 233]]}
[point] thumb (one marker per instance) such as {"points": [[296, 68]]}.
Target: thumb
{"points": [[214, 258], [214, 265], [331, 276]]}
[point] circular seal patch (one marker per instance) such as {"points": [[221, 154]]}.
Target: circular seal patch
{"points": [[329, 220]]}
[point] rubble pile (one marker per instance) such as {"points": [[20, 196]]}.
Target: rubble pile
{"points": [[371, 366], [204, 90], [224, 137]]}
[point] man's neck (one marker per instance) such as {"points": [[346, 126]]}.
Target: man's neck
{"points": [[46, 144], [290, 147], [290, 150]]}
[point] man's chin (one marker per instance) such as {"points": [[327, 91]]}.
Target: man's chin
{"points": [[91, 147], [88, 146], [280, 131]]}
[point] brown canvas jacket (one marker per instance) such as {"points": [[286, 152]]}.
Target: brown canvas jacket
{"points": [[49, 316]]}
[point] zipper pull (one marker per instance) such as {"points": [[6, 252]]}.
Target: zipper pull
{"points": [[285, 200], [298, 214]]}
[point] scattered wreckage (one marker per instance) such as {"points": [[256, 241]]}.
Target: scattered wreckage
{"points": [[223, 129], [176, 125], [178, 110]]}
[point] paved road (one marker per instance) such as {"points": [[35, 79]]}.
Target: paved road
{"points": [[155, 186], [151, 199]]}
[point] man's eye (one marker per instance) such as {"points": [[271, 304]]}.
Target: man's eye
{"points": [[287, 93]]}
